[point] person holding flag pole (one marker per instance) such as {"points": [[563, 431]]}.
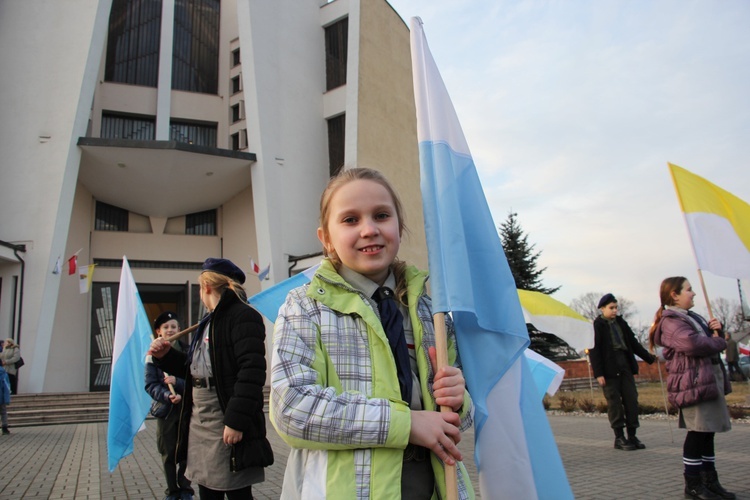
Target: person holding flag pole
{"points": [[354, 384], [719, 228]]}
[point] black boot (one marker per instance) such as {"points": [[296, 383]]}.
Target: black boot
{"points": [[621, 443], [694, 489], [5, 430], [711, 482], [634, 440]]}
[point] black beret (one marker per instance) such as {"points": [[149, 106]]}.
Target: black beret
{"points": [[224, 267], [607, 299], [163, 318]]}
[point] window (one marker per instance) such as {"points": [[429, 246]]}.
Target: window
{"points": [[235, 57], [195, 57], [236, 84], [236, 113], [137, 128], [336, 50], [336, 136], [110, 218], [202, 223], [199, 134], [239, 140], [133, 43]]}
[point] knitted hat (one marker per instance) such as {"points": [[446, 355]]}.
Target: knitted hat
{"points": [[224, 267], [607, 299]]}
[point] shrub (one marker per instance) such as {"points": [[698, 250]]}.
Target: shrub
{"points": [[546, 402], [736, 411], [567, 403], [587, 405], [647, 409]]}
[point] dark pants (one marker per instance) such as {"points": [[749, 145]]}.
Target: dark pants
{"points": [[166, 443], [209, 494], [622, 399], [13, 383], [733, 366]]}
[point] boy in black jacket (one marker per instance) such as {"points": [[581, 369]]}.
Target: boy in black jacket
{"points": [[614, 366]]}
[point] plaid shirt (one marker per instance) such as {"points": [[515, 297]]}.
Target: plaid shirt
{"points": [[335, 392]]}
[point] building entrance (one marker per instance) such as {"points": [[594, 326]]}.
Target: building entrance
{"points": [[156, 299]]}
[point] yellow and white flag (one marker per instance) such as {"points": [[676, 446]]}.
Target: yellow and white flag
{"points": [[85, 275], [718, 222], [551, 316]]}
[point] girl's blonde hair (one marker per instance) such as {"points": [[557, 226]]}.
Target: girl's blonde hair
{"points": [[368, 174], [669, 285], [221, 282]]}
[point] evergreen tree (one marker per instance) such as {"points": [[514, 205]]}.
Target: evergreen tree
{"points": [[521, 256]]}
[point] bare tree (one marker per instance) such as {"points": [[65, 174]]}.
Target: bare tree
{"points": [[729, 313], [585, 305]]}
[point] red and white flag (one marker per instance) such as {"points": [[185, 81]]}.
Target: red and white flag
{"points": [[254, 267], [73, 264]]}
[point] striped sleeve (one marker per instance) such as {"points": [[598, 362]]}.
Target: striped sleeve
{"points": [[308, 407]]}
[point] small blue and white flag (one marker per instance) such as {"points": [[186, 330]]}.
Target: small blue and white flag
{"points": [[128, 401], [269, 301], [515, 451]]}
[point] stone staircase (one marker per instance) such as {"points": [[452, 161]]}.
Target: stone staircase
{"points": [[58, 408], [65, 408]]}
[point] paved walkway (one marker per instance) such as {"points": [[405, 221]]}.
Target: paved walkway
{"points": [[70, 461]]}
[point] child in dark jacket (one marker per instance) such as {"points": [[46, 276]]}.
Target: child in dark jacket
{"points": [[166, 391]]}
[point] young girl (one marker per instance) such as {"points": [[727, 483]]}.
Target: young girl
{"points": [[697, 383], [166, 409], [358, 407], [225, 372]]}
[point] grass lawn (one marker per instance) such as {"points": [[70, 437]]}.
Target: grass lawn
{"points": [[649, 394]]}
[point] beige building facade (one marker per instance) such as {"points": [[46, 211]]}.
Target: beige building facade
{"points": [[169, 131]]}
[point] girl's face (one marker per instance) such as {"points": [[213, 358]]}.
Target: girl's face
{"points": [[168, 328], [363, 229], [684, 299]]}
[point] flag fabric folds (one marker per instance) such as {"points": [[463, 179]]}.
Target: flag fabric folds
{"points": [[255, 268], [263, 274], [547, 374], [85, 276], [270, 300], [73, 265], [718, 222], [128, 401], [551, 316], [515, 451]]}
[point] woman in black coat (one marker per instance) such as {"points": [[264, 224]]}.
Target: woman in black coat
{"points": [[223, 429]]}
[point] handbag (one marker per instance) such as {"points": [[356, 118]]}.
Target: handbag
{"points": [[19, 363]]}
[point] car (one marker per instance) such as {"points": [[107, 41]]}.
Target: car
{"points": [[744, 363]]}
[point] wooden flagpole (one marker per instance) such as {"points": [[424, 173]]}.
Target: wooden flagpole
{"points": [[705, 295], [441, 348], [181, 334]]}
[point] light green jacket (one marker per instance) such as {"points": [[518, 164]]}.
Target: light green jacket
{"points": [[335, 395]]}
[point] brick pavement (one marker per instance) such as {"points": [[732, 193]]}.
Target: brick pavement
{"points": [[69, 462]]}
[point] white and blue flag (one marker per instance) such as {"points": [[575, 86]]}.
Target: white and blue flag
{"points": [[128, 401], [515, 451]]}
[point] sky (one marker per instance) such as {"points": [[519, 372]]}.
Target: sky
{"points": [[572, 110]]}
